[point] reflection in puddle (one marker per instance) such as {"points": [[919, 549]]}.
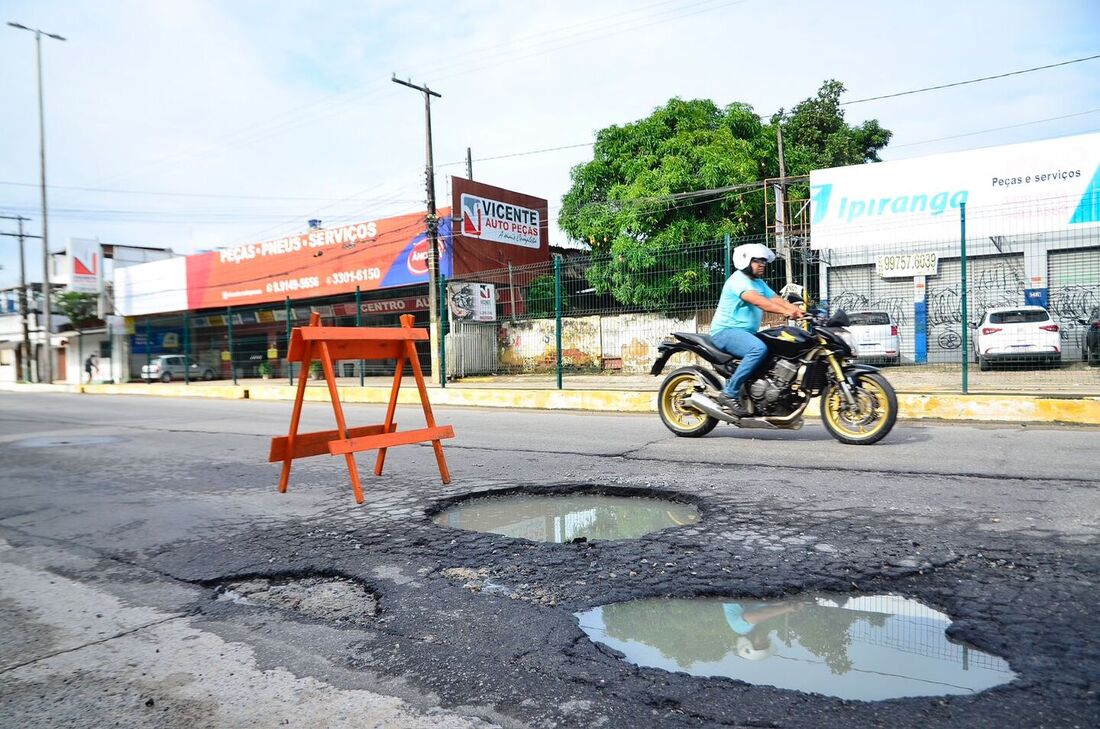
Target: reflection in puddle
{"points": [[868, 647], [567, 517]]}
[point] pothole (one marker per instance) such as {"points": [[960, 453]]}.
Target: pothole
{"points": [[566, 518], [61, 441], [331, 599], [863, 647]]}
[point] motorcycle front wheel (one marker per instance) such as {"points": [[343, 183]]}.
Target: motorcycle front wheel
{"points": [[679, 417], [871, 416]]}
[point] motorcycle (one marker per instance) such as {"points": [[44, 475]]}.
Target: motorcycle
{"points": [[858, 404]]}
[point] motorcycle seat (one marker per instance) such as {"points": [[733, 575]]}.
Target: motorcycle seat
{"points": [[704, 342]]}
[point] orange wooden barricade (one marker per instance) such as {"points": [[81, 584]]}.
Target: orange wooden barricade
{"points": [[328, 344]]}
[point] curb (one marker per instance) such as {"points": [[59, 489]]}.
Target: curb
{"points": [[911, 406]]}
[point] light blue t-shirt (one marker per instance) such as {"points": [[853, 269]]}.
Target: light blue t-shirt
{"points": [[733, 312]]}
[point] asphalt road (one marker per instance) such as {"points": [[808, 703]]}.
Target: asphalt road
{"points": [[122, 519]]}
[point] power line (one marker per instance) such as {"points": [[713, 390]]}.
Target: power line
{"points": [[970, 81], [993, 129], [179, 194]]}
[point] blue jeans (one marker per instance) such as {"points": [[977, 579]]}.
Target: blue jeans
{"points": [[746, 345]]}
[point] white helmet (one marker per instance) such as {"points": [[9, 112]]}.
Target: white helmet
{"points": [[743, 254], [745, 648]]}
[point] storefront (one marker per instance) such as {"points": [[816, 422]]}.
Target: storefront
{"points": [[231, 311]]}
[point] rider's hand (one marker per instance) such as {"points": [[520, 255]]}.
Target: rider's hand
{"points": [[797, 314]]}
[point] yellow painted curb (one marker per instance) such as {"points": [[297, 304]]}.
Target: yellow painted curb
{"points": [[220, 392], [1000, 408]]}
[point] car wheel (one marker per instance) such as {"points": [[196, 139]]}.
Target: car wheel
{"points": [[983, 364], [1093, 358], [166, 377], [208, 374]]}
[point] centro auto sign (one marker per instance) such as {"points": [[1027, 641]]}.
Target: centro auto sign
{"points": [[499, 222]]}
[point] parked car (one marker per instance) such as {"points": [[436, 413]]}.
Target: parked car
{"points": [[876, 333], [1090, 343], [167, 367], [1015, 335]]}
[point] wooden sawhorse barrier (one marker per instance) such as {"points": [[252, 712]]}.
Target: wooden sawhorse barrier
{"points": [[328, 344]]}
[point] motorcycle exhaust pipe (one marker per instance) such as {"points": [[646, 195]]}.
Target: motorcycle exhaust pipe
{"points": [[699, 401]]}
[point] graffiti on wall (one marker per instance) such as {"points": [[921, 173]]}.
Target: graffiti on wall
{"points": [[898, 307]]}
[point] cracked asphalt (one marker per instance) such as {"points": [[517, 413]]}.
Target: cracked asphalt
{"points": [[123, 520]]}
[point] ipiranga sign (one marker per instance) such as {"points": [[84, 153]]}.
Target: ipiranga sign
{"points": [[1050, 185]]}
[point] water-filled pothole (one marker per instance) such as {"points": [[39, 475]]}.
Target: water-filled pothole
{"points": [[865, 647], [567, 517], [332, 599]]}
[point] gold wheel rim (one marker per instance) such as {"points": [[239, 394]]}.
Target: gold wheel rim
{"points": [[867, 417], [674, 407]]}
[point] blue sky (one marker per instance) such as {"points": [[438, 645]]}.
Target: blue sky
{"points": [[199, 124]]}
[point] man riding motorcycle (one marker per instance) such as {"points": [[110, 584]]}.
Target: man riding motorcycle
{"points": [[744, 299]]}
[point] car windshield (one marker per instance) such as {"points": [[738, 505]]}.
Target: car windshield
{"points": [[869, 318], [1023, 316]]}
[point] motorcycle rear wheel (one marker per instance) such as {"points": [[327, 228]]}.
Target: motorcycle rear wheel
{"points": [[679, 417], [872, 417]]}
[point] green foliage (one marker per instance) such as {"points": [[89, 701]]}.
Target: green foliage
{"points": [[691, 173], [264, 369], [540, 298], [80, 309]]}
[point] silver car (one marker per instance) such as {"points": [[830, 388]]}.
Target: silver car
{"points": [[876, 335], [167, 367]]}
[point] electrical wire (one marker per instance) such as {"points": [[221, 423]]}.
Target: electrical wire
{"points": [[970, 81]]}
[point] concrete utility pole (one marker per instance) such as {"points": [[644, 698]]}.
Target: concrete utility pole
{"points": [[48, 368], [781, 211], [469, 165], [433, 232], [25, 358]]}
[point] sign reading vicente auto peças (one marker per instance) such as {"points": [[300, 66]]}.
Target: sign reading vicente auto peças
{"points": [[501, 222], [369, 255]]}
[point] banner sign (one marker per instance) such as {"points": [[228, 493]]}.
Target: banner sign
{"points": [[1050, 185], [373, 255], [472, 301], [500, 222], [907, 265], [85, 266]]}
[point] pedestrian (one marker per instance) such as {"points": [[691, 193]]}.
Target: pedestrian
{"points": [[90, 366]]}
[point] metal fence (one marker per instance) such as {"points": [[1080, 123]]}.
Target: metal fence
{"points": [[946, 309]]}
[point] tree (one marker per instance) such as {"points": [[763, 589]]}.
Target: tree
{"points": [[659, 188], [80, 309]]}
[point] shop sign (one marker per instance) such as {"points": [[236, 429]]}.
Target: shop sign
{"points": [[500, 222], [907, 265]]}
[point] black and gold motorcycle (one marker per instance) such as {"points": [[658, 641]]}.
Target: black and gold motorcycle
{"points": [[858, 404]]}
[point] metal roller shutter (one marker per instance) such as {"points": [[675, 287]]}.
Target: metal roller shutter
{"points": [[1073, 278], [994, 281], [860, 288]]}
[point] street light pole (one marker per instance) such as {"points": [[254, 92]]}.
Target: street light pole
{"points": [[42, 169], [433, 232]]}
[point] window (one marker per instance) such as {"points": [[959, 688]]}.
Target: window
{"points": [[869, 318], [105, 349], [1022, 316]]}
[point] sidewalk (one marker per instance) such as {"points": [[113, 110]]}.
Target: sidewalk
{"points": [[931, 397]]}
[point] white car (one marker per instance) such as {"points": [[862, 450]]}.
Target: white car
{"points": [[876, 334], [1016, 334]]}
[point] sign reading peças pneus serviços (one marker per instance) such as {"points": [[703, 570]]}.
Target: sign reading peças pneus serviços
{"points": [[368, 255]]}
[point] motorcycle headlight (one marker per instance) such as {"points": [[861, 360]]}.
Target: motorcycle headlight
{"points": [[847, 338]]}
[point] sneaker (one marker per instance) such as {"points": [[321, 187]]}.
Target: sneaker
{"points": [[731, 405]]}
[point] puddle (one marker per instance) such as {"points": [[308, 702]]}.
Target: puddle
{"points": [[331, 599], [864, 647], [63, 441], [567, 517]]}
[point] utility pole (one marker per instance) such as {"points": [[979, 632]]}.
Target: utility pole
{"points": [[25, 358], [469, 165], [42, 168], [781, 211], [433, 231]]}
